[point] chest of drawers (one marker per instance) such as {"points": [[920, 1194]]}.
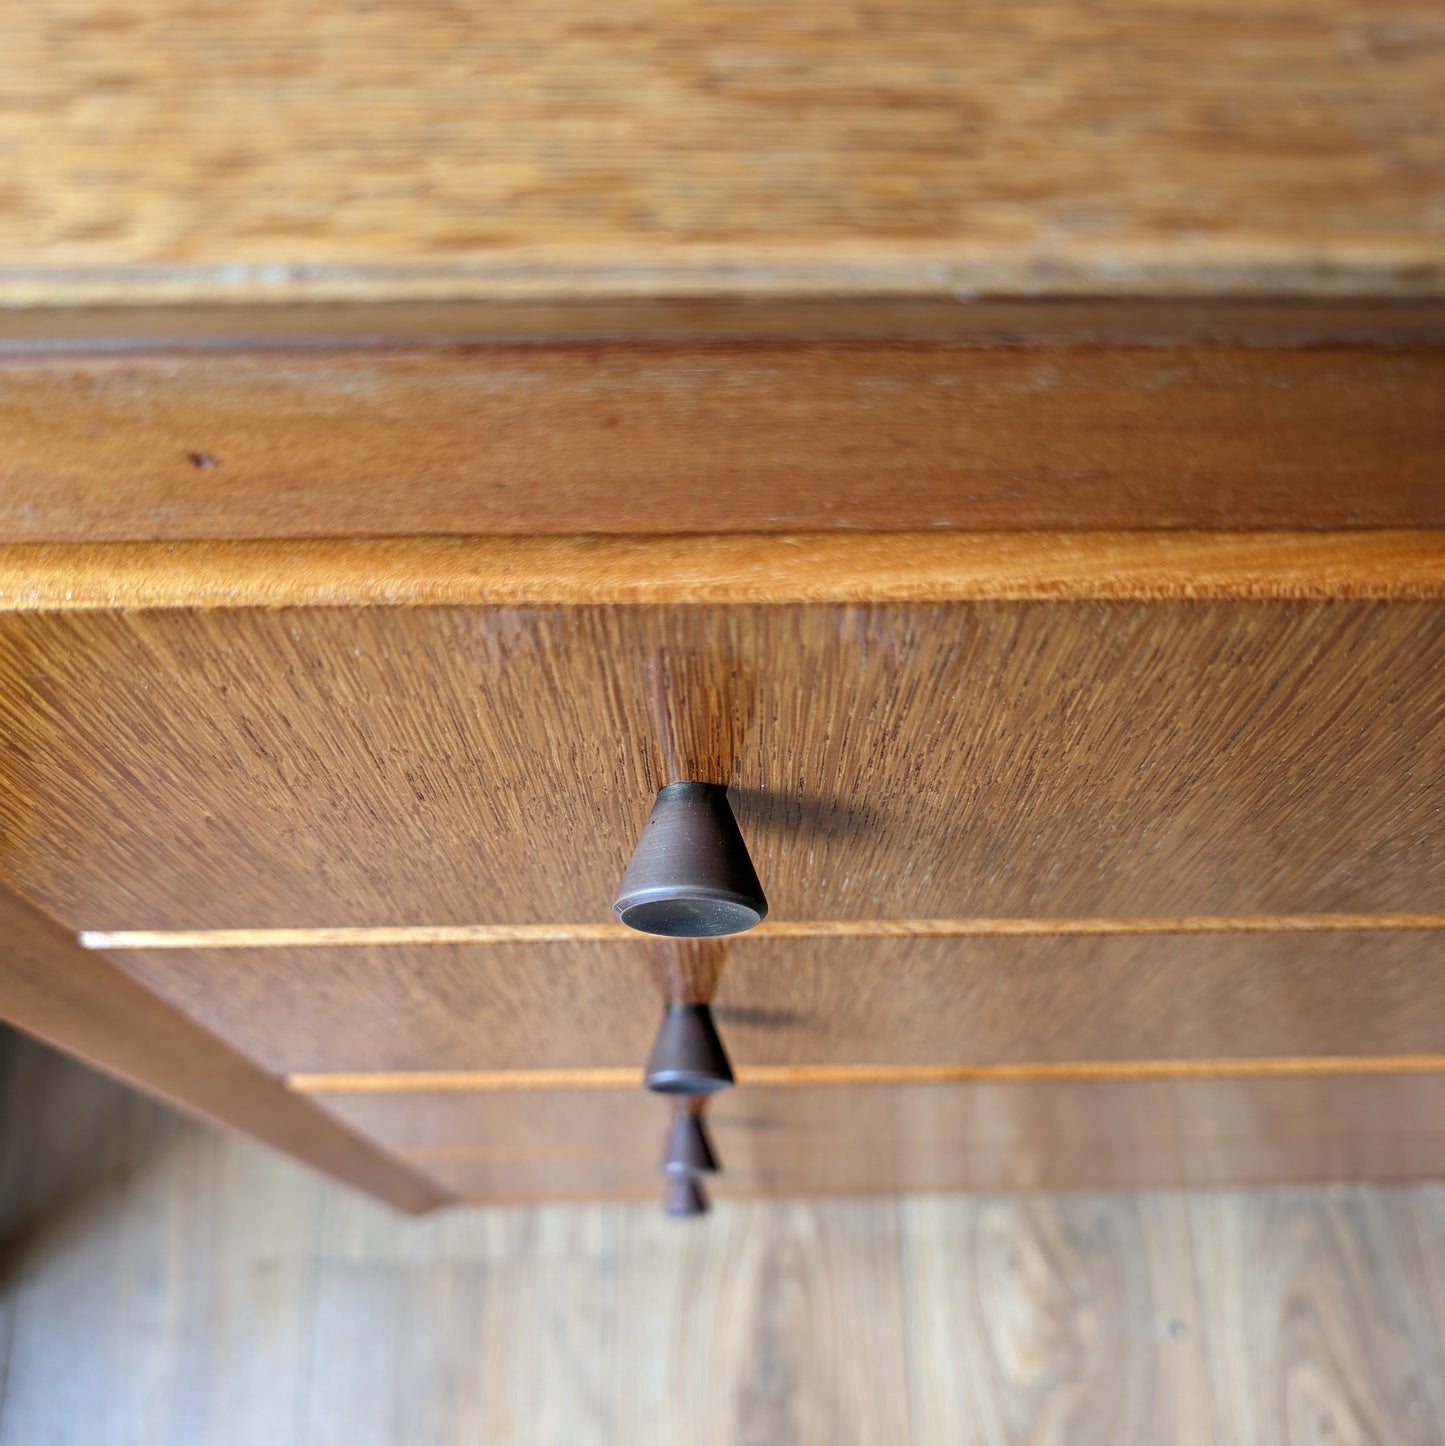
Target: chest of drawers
{"points": [[1002, 447]]}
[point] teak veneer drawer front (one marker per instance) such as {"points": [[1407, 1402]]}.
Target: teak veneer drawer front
{"points": [[800, 1139], [288, 767], [818, 1001]]}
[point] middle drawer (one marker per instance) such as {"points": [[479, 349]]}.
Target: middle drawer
{"points": [[815, 1001]]}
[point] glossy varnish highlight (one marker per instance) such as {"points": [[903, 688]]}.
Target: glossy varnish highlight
{"points": [[840, 567]]}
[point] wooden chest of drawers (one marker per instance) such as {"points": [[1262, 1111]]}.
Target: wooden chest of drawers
{"points": [[1131, 874], [1004, 448]]}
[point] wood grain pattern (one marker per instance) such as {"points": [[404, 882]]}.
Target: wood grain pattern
{"points": [[792, 1140], [334, 767], [665, 148], [192, 1287], [717, 437], [1429, 1213], [794, 568], [1056, 1322], [1281, 1131], [1045, 320], [53, 989], [808, 1353], [1313, 1348], [741, 1331], [868, 1139], [846, 1002]]}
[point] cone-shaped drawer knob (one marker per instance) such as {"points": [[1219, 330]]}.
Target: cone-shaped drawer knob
{"points": [[690, 875], [688, 1150], [687, 1056], [684, 1197]]}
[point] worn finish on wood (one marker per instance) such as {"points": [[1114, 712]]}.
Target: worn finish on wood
{"points": [[717, 437], [575, 147], [801, 1002], [244, 769], [872, 1139], [52, 988]]}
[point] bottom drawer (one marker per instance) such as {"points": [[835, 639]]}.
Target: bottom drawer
{"points": [[814, 1139]]}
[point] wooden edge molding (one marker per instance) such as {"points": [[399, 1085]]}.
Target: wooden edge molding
{"points": [[1346, 269], [843, 568], [1078, 1071], [1002, 321], [58, 992], [331, 938]]}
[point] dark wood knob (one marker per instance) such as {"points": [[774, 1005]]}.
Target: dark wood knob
{"points": [[687, 1056], [685, 1197], [690, 876], [688, 1150]]}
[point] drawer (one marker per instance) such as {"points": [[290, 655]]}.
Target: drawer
{"points": [[782, 1001], [799, 1140], [305, 767]]}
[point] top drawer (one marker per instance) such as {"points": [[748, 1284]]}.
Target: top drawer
{"points": [[487, 764]]}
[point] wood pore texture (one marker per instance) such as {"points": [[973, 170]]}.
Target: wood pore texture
{"points": [[159, 152], [716, 437], [165, 1284], [254, 768], [800, 1002], [840, 1139]]}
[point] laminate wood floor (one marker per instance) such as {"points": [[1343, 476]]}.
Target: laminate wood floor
{"points": [[162, 1282]]}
